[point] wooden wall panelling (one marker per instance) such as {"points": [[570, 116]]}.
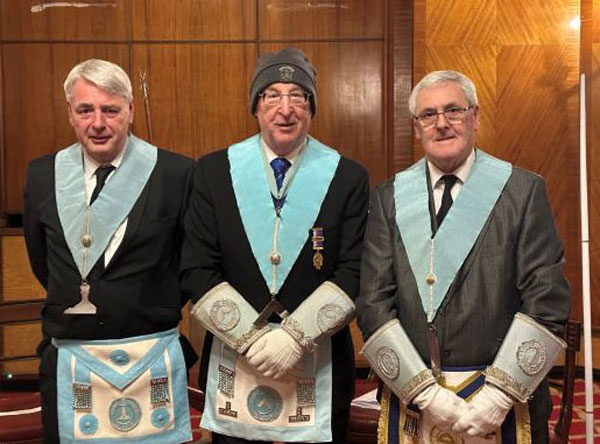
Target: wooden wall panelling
{"points": [[20, 341], [350, 110], [198, 94], [17, 280], [593, 111], [37, 122], [186, 20], [2, 133], [288, 20], [31, 21], [17, 283], [590, 54], [460, 22], [399, 50], [536, 22]]}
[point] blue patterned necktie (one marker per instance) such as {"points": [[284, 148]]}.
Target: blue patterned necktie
{"points": [[280, 166]]}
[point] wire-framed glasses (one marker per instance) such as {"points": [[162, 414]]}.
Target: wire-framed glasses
{"points": [[453, 115], [273, 97]]}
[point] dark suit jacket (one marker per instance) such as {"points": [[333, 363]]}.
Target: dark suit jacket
{"points": [[138, 292], [516, 265], [216, 249]]}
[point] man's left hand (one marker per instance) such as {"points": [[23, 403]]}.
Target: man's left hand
{"points": [[486, 414], [275, 354]]}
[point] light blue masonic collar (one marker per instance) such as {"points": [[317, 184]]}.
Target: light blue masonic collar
{"points": [[302, 205], [111, 207], [453, 241]]}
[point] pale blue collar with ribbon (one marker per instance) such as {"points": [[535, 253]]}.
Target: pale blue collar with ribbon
{"points": [[456, 236], [111, 207], [303, 202]]}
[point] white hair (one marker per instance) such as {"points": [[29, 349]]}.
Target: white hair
{"points": [[439, 77], [105, 75]]}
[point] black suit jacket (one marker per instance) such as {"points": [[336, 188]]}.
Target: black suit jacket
{"points": [[216, 249], [515, 265], [138, 291]]}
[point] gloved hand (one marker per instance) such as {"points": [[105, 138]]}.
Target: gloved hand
{"points": [[444, 407], [486, 413], [275, 354]]}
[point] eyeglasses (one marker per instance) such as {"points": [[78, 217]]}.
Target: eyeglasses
{"points": [[273, 97], [453, 115]]}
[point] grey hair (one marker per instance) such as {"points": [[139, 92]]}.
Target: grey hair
{"points": [[438, 77], [107, 76]]}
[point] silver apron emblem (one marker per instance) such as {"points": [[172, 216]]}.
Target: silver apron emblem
{"points": [[125, 414], [265, 403]]}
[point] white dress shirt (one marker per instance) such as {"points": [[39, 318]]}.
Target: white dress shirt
{"points": [[437, 184]]}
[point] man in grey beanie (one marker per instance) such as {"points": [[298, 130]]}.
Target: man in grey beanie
{"points": [[271, 262]]}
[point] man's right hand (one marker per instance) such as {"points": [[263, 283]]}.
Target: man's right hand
{"points": [[443, 406]]}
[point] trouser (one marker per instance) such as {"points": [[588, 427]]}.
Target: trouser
{"points": [[47, 370], [339, 429]]}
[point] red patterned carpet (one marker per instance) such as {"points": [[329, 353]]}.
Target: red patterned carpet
{"points": [[577, 432]]}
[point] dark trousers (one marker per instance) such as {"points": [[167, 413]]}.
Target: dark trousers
{"points": [[48, 391], [339, 429]]}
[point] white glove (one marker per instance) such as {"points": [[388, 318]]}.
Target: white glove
{"points": [[275, 354], [444, 406], [487, 411]]}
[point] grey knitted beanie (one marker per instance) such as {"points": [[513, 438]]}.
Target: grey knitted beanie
{"points": [[290, 65]]}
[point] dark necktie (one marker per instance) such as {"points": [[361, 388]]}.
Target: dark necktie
{"points": [[280, 166], [449, 181], [101, 175]]}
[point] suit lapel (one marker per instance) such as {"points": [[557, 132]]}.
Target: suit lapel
{"points": [[134, 220]]}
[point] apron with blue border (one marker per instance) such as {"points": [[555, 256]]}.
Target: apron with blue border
{"points": [[123, 390]]}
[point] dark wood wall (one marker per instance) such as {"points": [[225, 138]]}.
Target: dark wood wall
{"points": [[197, 57]]}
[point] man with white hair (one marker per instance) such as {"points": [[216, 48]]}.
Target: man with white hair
{"points": [[462, 285], [103, 226]]}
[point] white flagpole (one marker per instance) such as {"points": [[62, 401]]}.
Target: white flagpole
{"points": [[585, 268]]}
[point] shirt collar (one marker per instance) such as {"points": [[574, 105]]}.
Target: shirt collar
{"points": [[90, 165], [462, 172], [291, 156]]}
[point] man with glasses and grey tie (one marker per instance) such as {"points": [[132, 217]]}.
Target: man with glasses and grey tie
{"points": [[271, 261], [103, 223], [463, 297]]}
